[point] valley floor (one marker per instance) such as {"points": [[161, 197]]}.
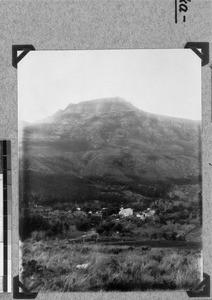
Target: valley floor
{"points": [[55, 265]]}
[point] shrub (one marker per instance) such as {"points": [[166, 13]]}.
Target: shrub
{"points": [[106, 227], [83, 225], [38, 235], [95, 220], [29, 223]]}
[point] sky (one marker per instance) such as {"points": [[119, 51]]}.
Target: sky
{"points": [[160, 81]]}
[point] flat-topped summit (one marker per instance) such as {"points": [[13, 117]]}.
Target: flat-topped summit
{"points": [[95, 107], [112, 105], [103, 105]]}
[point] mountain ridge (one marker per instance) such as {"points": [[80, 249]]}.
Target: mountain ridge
{"points": [[104, 105]]}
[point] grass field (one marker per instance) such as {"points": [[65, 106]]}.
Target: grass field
{"points": [[51, 265]]}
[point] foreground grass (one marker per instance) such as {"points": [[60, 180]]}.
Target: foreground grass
{"points": [[52, 266]]}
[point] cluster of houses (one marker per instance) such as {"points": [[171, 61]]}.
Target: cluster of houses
{"points": [[149, 213], [127, 212], [78, 213]]}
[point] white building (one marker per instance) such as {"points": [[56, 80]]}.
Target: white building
{"points": [[125, 212]]}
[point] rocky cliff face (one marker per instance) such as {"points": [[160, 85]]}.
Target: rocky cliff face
{"points": [[110, 138]]}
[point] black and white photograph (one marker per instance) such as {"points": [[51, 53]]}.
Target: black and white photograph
{"points": [[110, 170]]}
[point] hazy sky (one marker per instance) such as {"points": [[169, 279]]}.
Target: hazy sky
{"points": [[166, 82]]}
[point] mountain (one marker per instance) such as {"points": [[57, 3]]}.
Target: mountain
{"points": [[97, 106], [109, 139]]}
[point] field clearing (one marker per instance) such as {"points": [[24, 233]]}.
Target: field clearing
{"points": [[56, 265]]}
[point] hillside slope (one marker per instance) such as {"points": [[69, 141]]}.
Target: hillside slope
{"points": [[110, 138]]}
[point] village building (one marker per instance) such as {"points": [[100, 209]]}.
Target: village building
{"points": [[79, 213], [98, 214], [149, 213], [125, 212], [140, 216]]}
